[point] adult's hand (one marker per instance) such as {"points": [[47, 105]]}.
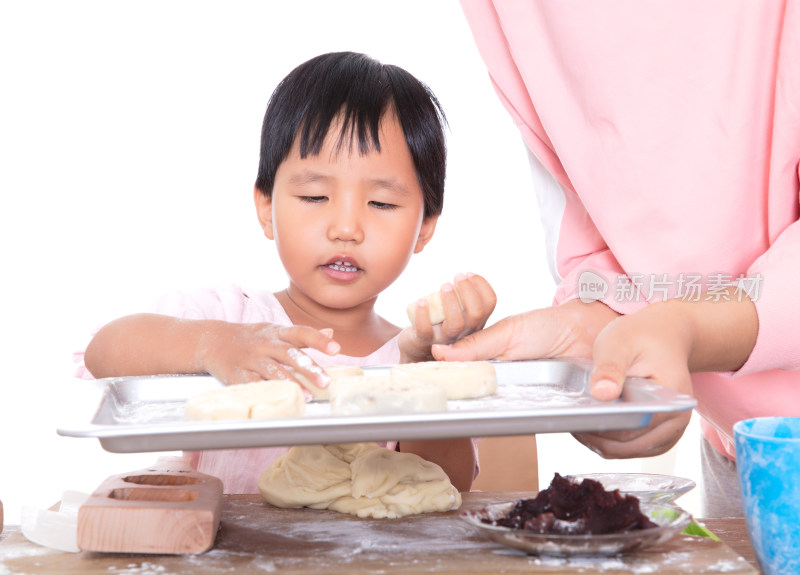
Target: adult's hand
{"points": [[653, 343], [565, 331], [665, 342], [620, 346]]}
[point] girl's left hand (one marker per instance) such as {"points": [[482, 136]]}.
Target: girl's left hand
{"points": [[467, 305]]}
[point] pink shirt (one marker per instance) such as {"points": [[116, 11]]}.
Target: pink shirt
{"points": [[665, 140]]}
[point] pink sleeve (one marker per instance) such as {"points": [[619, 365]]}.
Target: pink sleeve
{"points": [[228, 304], [581, 249], [778, 269], [774, 282], [684, 153]]}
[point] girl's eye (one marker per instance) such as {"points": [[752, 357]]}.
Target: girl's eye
{"points": [[383, 206], [313, 199]]}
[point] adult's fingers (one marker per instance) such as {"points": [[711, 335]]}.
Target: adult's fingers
{"points": [[540, 333], [612, 356], [659, 437], [633, 347], [489, 343]]}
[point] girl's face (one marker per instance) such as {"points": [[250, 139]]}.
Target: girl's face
{"points": [[346, 225]]}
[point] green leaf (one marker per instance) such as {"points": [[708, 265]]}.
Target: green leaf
{"points": [[699, 530]]}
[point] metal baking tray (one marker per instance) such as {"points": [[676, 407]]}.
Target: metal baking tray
{"points": [[144, 414]]}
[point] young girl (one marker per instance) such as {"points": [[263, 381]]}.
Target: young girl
{"points": [[350, 184]]}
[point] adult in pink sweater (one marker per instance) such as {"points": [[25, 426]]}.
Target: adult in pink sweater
{"points": [[665, 139]]}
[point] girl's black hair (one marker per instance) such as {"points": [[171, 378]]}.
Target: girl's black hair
{"points": [[361, 90]]}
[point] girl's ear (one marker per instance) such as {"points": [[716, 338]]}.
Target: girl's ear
{"points": [[264, 212], [425, 232]]}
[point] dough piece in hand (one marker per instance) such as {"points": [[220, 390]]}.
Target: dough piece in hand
{"points": [[435, 308], [459, 379], [275, 398], [362, 479], [373, 394], [335, 372]]}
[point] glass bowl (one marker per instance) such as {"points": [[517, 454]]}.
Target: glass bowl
{"points": [[648, 487], [670, 519]]}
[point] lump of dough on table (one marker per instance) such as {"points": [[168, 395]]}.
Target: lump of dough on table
{"points": [[335, 372], [435, 308], [373, 394], [269, 399], [361, 479], [459, 379]]}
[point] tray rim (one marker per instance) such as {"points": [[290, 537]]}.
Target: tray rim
{"points": [[113, 437]]}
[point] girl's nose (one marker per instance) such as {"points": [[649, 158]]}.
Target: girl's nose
{"points": [[345, 224]]}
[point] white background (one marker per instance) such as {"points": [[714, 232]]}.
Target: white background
{"points": [[129, 137]]}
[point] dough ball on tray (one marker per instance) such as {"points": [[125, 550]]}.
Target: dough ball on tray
{"points": [[335, 372], [459, 379], [276, 398], [383, 394]]}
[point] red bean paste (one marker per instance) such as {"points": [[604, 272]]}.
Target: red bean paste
{"points": [[568, 507]]}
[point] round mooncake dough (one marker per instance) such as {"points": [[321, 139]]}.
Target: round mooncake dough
{"points": [[435, 308], [275, 398], [373, 394], [362, 479], [335, 372], [459, 379]]}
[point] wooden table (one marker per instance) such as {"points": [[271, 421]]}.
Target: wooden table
{"points": [[255, 537], [733, 532]]}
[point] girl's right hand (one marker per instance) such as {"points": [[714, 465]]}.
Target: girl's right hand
{"points": [[467, 304], [241, 353]]}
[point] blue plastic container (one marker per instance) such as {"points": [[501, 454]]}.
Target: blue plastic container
{"points": [[768, 464]]}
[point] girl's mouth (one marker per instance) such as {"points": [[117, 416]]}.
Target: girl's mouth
{"points": [[342, 266], [342, 269]]}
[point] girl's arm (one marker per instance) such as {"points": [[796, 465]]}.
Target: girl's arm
{"points": [[455, 456], [152, 344]]}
